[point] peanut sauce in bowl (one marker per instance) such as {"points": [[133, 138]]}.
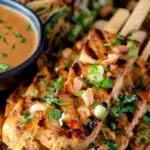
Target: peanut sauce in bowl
{"points": [[21, 42]]}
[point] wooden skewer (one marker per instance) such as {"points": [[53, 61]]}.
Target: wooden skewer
{"points": [[140, 36], [137, 17], [146, 52], [117, 21]]}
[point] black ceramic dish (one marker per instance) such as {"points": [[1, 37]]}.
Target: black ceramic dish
{"points": [[10, 79]]}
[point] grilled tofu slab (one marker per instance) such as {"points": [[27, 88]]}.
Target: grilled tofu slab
{"points": [[127, 110], [98, 77]]}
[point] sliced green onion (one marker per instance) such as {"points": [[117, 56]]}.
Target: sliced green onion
{"points": [[120, 37], [107, 44], [133, 52], [100, 111], [4, 67]]}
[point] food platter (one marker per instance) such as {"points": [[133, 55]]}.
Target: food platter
{"points": [[91, 89]]}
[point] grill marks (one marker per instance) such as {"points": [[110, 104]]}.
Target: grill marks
{"points": [[76, 67], [90, 52], [96, 37]]}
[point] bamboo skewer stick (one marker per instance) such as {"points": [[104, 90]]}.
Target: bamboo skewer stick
{"points": [[117, 21], [146, 52], [137, 17]]}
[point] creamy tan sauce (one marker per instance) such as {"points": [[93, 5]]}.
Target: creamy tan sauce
{"points": [[18, 38]]}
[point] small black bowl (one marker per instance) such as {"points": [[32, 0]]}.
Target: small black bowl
{"points": [[11, 78]]}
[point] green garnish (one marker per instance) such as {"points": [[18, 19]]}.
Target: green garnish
{"points": [[132, 38], [54, 113], [144, 138], [123, 104], [141, 84], [54, 19], [9, 27], [33, 93], [107, 44], [17, 35], [26, 118], [4, 67], [4, 55], [120, 37], [1, 21], [107, 83], [146, 120], [113, 126], [94, 75], [68, 65], [77, 58], [110, 144], [119, 132], [116, 42], [133, 52], [13, 47], [5, 41], [54, 100], [57, 85], [30, 28], [79, 93], [23, 40], [1, 35]]}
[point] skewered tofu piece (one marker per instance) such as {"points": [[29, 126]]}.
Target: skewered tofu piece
{"points": [[94, 78], [126, 112]]}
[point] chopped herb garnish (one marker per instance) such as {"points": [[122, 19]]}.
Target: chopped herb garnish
{"points": [[77, 58], [54, 113], [23, 40], [13, 47], [26, 118], [120, 37], [4, 55], [144, 138], [54, 100], [141, 84], [57, 85], [4, 67], [107, 44], [1, 21], [107, 83], [133, 52], [33, 93], [116, 42], [68, 65], [123, 104], [132, 38], [110, 144], [53, 19], [30, 28], [146, 120], [119, 132], [113, 126], [17, 35], [79, 93], [9, 27], [1, 35], [5, 41]]}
